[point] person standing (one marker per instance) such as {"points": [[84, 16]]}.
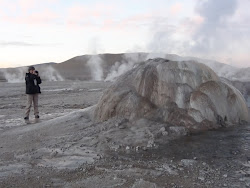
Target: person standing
{"points": [[32, 80]]}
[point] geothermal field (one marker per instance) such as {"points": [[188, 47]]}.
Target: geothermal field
{"points": [[127, 120]]}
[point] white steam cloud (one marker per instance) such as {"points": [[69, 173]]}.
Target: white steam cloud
{"points": [[51, 74], [17, 75], [118, 69], [130, 60], [95, 65], [214, 34], [217, 30]]}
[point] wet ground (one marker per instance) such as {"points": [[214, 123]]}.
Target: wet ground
{"points": [[219, 158]]}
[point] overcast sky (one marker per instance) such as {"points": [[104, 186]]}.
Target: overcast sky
{"points": [[39, 31]]}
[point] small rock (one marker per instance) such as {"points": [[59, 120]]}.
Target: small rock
{"points": [[54, 154], [201, 178], [188, 162], [150, 145], [115, 147], [122, 122], [162, 129], [170, 169], [123, 126], [164, 133], [178, 131]]}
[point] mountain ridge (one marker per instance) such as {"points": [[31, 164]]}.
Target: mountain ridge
{"points": [[79, 67]]}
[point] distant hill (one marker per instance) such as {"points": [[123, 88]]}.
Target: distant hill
{"points": [[86, 67], [77, 67]]}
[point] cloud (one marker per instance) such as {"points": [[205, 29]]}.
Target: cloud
{"points": [[134, 21], [176, 8], [22, 44], [213, 32], [216, 11], [45, 16], [26, 5], [92, 15], [224, 32], [217, 30], [15, 43], [209, 28], [173, 38], [29, 12]]}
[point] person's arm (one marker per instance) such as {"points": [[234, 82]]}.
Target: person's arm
{"points": [[38, 79]]}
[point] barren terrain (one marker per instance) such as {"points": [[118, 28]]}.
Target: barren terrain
{"points": [[64, 149]]}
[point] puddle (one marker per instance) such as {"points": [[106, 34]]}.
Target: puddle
{"points": [[217, 145], [94, 90], [9, 169], [53, 90]]}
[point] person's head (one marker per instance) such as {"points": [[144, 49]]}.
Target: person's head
{"points": [[31, 69]]}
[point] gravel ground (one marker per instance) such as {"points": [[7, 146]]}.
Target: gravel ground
{"points": [[57, 98], [59, 150]]}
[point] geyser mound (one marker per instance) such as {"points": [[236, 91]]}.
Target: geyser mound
{"points": [[184, 93]]}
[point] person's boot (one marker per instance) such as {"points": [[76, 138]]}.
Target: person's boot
{"points": [[26, 118], [37, 116]]}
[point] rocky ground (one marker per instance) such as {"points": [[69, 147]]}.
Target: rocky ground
{"points": [[67, 149]]}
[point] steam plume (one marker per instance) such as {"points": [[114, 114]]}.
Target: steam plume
{"points": [[129, 61], [17, 75], [212, 34], [95, 65]]}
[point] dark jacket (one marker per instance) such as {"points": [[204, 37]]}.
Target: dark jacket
{"points": [[32, 83]]}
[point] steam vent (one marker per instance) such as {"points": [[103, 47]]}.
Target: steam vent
{"points": [[186, 94]]}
